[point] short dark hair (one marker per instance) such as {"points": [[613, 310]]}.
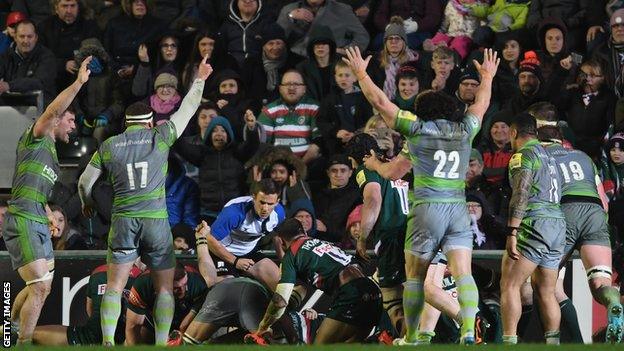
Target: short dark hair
{"points": [[291, 70], [138, 108], [360, 146], [432, 105], [525, 124], [25, 22], [266, 185], [548, 133], [289, 228], [179, 272]]}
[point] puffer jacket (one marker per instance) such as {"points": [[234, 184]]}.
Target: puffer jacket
{"points": [[242, 37], [503, 15]]}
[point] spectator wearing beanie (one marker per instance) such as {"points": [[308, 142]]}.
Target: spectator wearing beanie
{"points": [[166, 100], [423, 18], [496, 149], [613, 177], [530, 83], [489, 234], [469, 82], [7, 37]]}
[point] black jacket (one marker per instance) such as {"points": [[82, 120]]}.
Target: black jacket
{"points": [[37, 71], [124, 34], [241, 37], [332, 207], [331, 113]]}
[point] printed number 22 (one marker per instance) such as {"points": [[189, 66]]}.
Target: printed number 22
{"points": [[142, 166], [442, 157]]}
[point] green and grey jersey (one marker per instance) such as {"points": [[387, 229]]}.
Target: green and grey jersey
{"points": [[578, 171], [136, 165], [394, 199], [314, 261], [36, 171], [545, 191], [439, 151], [97, 287]]}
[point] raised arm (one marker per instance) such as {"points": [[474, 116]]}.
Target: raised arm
{"points": [[45, 124], [373, 94], [393, 170], [192, 99], [487, 69], [204, 261]]}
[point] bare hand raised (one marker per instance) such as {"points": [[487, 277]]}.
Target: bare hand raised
{"points": [[356, 62], [84, 72], [489, 66], [204, 70]]}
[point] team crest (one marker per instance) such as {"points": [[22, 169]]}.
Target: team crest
{"points": [[279, 120], [301, 120], [515, 161]]}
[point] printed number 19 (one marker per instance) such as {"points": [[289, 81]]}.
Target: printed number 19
{"points": [[142, 166]]}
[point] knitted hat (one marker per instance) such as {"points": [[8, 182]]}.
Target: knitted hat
{"points": [[617, 17], [272, 32], [476, 155], [355, 216], [469, 73], [395, 27], [166, 79], [531, 64], [15, 17], [616, 140]]}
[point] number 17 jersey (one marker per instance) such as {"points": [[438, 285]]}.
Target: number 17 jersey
{"points": [[135, 163], [440, 152]]}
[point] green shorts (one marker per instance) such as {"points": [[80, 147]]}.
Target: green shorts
{"points": [[26, 240], [431, 226], [542, 240], [390, 257], [149, 238], [357, 303], [586, 224]]}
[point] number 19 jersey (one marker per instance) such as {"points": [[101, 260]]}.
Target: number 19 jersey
{"points": [[136, 166], [440, 152], [578, 171]]}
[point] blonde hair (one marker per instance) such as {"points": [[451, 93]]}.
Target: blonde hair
{"points": [[443, 52], [372, 122]]}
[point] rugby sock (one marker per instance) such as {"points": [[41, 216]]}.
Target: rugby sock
{"points": [[552, 337], [569, 321], [510, 339], [413, 303], [163, 315], [110, 311], [525, 318], [468, 297], [424, 337], [608, 295]]}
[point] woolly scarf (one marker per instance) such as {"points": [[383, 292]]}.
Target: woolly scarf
{"points": [[271, 68], [479, 236], [392, 68], [160, 106]]}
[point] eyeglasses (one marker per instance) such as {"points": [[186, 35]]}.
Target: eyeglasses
{"points": [[394, 38], [292, 85], [173, 46], [474, 205]]}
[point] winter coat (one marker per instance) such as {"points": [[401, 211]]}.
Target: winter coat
{"points": [[333, 207], [339, 17], [319, 81], [37, 71], [571, 12], [182, 196], [124, 34], [303, 204], [255, 78], [427, 13], [503, 15], [241, 37], [35, 10], [456, 24], [171, 12], [221, 172]]}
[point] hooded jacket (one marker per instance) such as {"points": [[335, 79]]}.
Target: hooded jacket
{"points": [[221, 172], [182, 196], [552, 71], [237, 104], [240, 36], [319, 81], [303, 204], [572, 12]]}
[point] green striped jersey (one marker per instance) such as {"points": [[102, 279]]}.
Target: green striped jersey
{"points": [[545, 192], [36, 171], [136, 165], [440, 152], [578, 171], [394, 202]]}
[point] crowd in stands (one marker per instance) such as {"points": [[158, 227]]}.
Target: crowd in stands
{"points": [[281, 104]]}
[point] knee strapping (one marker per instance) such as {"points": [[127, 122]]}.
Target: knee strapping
{"points": [[189, 340], [48, 276], [599, 272]]}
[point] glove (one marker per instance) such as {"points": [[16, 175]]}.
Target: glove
{"points": [[100, 121], [410, 25]]}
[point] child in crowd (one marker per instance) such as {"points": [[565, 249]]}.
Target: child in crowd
{"points": [[407, 87], [443, 75], [613, 180], [342, 111]]}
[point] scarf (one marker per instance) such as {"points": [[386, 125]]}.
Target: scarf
{"points": [[271, 68], [479, 236], [617, 56], [164, 107], [392, 68]]}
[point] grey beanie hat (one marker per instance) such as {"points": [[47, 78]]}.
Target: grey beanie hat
{"points": [[395, 27]]}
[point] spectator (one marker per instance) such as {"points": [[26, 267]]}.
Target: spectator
{"points": [[335, 201], [444, 72], [291, 119], [239, 227], [103, 11], [126, 32], [395, 53], [231, 101], [555, 59], [66, 238], [303, 210], [501, 16], [168, 59], [407, 81], [62, 33], [468, 84], [173, 12], [343, 111], [183, 236], [572, 12], [388, 139], [241, 28], [300, 18], [496, 149], [220, 160], [508, 45], [530, 83], [165, 100], [423, 18], [589, 108], [263, 84], [35, 10], [28, 67], [318, 68], [457, 27], [610, 50], [7, 37], [613, 178], [474, 176], [197, 131], [488, 233], [354, 228], [182, 196]]}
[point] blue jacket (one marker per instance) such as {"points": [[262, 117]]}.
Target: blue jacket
{"points": [[182, 196]]}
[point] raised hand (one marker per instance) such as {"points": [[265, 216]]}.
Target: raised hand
{"points": [[143, 55], [84, 72], [356, 62], [489, 66], [204, 70], [202, 230]]}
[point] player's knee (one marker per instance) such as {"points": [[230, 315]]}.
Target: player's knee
{"points": [[39, 290], [598, 276]]}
